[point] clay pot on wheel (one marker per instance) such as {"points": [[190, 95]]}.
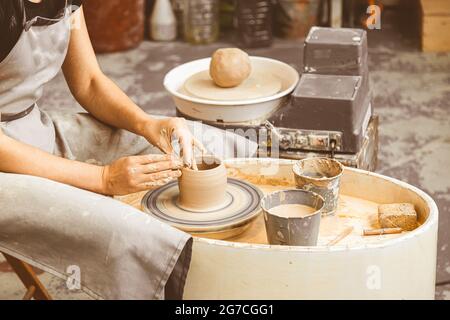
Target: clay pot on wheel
{"points": [[203, 190], [115, 25]]}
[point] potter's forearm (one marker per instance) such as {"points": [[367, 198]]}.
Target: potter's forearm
{"points": [[93, 90], [19, 158], [105, 101], [109, 104]]}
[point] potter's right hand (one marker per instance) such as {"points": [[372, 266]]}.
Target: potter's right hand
{"points": [[139, 173]]}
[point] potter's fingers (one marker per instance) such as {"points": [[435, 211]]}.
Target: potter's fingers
{"points": [[186, 150], [165, 145], [200, 146], [151, 158], [165, 142], [158, 176], [167, 148], [194, 162], [163, 175], [155, 167], [153, 184]]}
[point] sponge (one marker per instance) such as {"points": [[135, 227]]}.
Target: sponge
{"points": [[397, 215]]}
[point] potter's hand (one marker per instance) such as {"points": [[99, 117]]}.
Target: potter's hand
{"points": [[139, 173], [160, 133]]}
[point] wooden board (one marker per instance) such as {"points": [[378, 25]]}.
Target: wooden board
{"points": [[435, 25], [435, 7], [352, 212]]}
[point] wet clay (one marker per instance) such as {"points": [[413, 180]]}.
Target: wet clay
{"points": [[230, 67], [203, 190], [292, 211], [322, 176]]}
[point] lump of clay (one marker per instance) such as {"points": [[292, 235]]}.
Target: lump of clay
{"points": [[230, 67]]}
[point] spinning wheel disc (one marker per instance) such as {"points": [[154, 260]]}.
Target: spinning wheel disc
{"points": [[258, 85], [241, 206]]}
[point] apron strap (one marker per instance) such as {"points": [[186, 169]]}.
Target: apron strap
{"points": [[66, 10], [7, 117]]}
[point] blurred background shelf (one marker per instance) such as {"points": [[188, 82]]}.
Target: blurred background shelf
{"points": [[435, 25]]}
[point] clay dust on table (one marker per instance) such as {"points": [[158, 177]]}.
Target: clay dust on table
{"points": [[352, 212]]}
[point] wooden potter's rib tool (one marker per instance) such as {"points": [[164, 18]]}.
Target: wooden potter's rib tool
{"points": [[341, 236], [380, 232]]}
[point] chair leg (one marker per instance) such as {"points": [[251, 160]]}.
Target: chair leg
{"points": [[35, 289], [30, 293]]}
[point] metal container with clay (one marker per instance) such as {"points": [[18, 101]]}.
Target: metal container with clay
{"points": [[290, 230], [322, 176]]}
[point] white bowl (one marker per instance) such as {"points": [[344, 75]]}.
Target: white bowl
{"points": [[235, 111]]}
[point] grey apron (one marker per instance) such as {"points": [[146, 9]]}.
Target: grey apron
{"points": [[108, 248]]}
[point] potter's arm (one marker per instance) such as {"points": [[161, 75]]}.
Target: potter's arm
{"points": [[124, 176], [109, 104], [20, 158], [95, 91]]}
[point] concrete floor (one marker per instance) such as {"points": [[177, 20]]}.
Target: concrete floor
{"points": [[411, 93]]}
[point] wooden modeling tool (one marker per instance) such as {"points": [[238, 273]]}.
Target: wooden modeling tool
{"points": [[341, 236], [380, 232]]}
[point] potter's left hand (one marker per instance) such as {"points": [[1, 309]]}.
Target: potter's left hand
{"points": [[161, 132]]}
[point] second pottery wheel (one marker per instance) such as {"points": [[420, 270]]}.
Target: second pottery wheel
{"points": [[258, 85], [242, 205], [228, 111]]}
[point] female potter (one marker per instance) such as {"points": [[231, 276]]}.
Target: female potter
{"points": [[49, 190]]}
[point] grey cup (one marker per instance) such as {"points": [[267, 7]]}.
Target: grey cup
{"points": [[296, 231], [322, 176]]}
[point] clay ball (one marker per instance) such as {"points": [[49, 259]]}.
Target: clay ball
{"points": [[230, 67]]}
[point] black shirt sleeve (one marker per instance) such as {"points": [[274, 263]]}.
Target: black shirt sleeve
{"points": [[46, 9], [76, 4]]}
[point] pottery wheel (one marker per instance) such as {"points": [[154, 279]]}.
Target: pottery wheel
{"points": [[241, 206], [258, 85]]}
